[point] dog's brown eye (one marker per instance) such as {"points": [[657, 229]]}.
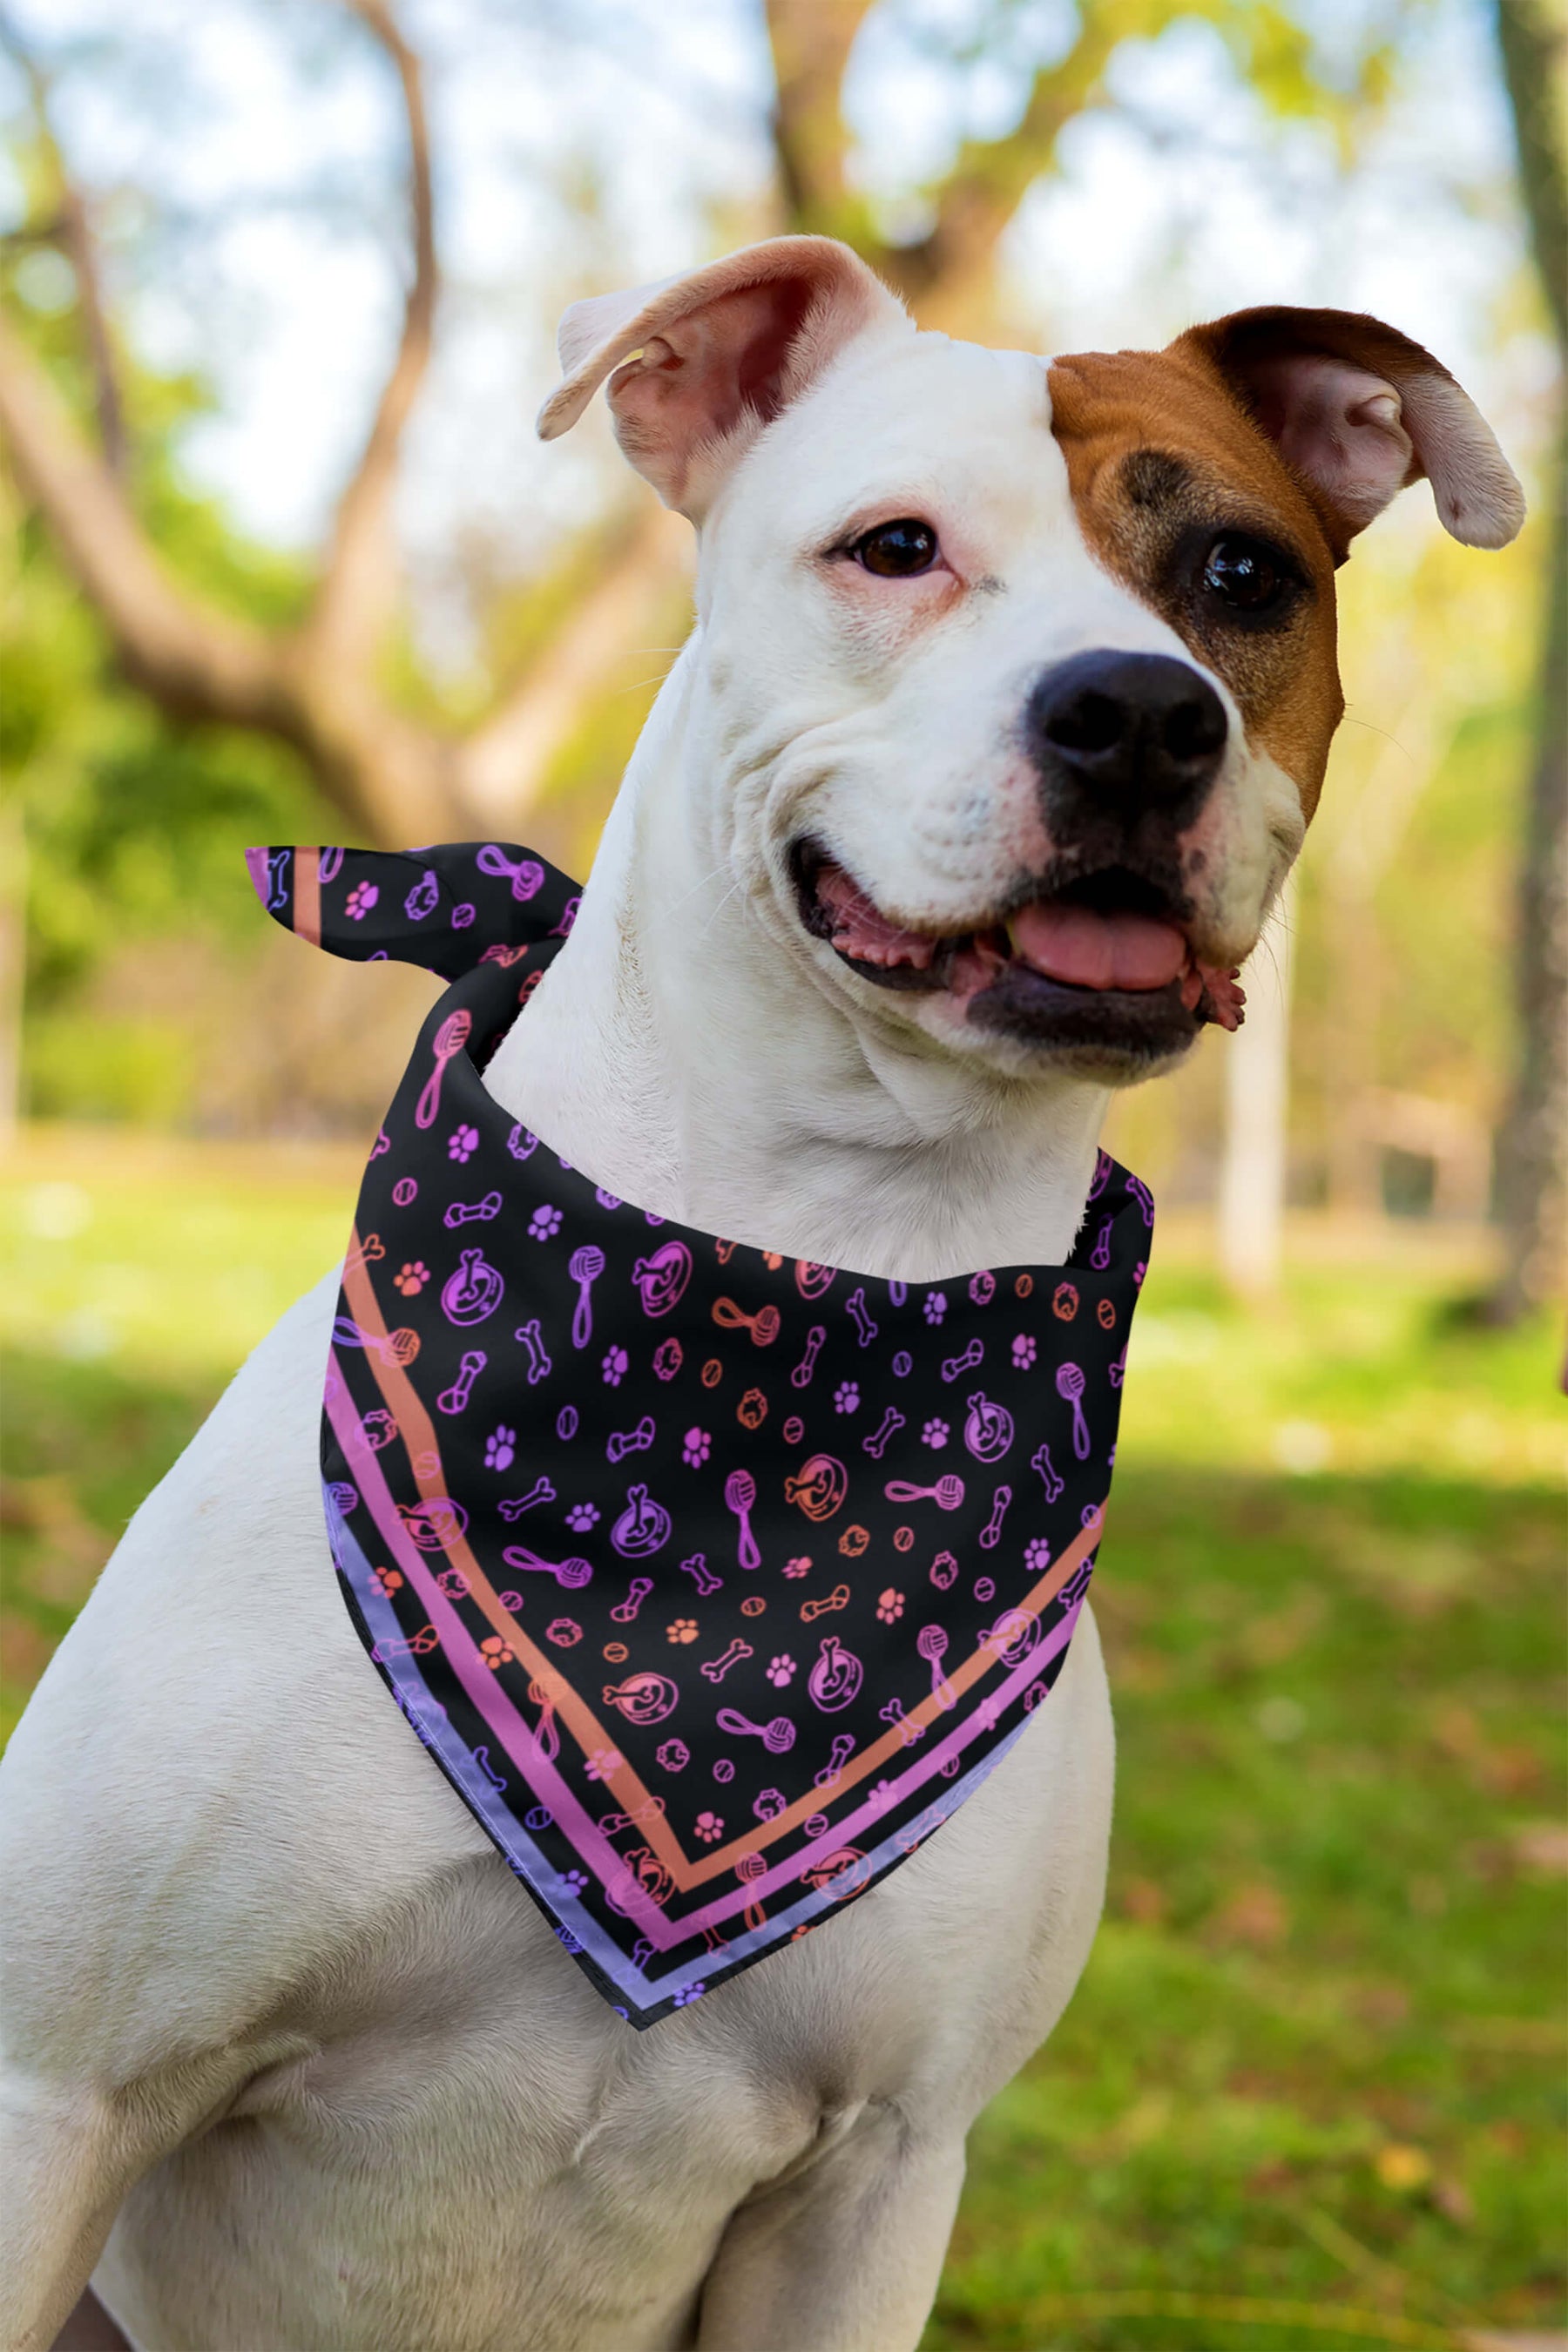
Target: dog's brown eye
{"points": [[897, 550], [1244, 573]]}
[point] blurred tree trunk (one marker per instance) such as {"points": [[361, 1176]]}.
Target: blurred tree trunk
{"points": [[1251, 1205], [13, 959], [1359, 841], [1532, 1144]]}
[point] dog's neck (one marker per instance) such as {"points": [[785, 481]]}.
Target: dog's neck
{"points": [[685, 1058]]}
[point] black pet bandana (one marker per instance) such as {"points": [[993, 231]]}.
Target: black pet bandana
{"points": [[714, 1579]]}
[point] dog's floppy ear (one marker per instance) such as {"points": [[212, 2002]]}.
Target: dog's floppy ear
{"points": [[701, 363], [1358, 411]]}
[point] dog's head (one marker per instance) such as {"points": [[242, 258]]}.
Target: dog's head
{"points": [[1015, 678]]}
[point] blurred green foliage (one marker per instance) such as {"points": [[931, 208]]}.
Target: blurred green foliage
{"points": [[129, 826]]}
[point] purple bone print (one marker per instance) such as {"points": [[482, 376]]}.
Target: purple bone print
{"points": [[473, 1213], [716, 1668]]}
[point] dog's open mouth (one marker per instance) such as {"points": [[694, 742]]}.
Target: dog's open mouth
{"points": [[1103, 960]]}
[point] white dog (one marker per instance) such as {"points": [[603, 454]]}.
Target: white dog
{"points": [[1007, 705]]}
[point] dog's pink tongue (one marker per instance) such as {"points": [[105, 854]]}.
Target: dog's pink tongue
{"points": [[1088, 949]]}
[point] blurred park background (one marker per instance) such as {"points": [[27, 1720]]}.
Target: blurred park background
{"points": [[279, 560]]}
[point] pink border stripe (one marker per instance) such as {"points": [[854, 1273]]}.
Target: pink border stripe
{"points": [[869, 1815], [514, 1734], [663, 1930]]}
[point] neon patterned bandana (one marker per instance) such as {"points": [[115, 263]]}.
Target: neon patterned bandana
{"points": [[714, 1580]]}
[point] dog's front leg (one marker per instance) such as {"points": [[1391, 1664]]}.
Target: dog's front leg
{"points": [[845, 2255], [62, 2188], [70, 2153]]}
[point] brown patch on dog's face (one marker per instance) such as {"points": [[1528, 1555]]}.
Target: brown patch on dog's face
{"points": [[1182, 499]]}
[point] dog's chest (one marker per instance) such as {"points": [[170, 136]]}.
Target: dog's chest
{"points": [[467, 2116]]}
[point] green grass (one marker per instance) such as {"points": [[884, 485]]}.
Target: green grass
{"points": [[1312, 2091]]}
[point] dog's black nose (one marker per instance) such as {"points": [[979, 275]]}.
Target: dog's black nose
{"points": [[1137, 728]]}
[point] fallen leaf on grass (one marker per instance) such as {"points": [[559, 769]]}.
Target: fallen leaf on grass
{"points": [[1542, 1846], [1142, 1901], [1455, 2203], [1253, 1914], [1402, 2167], [1514, 2339]]}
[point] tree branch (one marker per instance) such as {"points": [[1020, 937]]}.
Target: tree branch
{"points": [[503, 763], [811, 42], [1535, 67], [991, 177], [195, 663], [358, 587], [388, 776], [74, 233]]}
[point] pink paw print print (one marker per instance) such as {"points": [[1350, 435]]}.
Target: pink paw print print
{"points": [[1036, 1554], [695, 1448], [412, 1277], [544, 1224], [889, 1606], [1023, 1351], [495, 1651], [581, 1517], [781, 1670], [935, 1432], [683, 1629], [361, 899], [935, 1307], [462, 1143], [801, 1567], [498, 1447], [846, 1397], [614, 1367], [710, 1827], [602, 1763]]}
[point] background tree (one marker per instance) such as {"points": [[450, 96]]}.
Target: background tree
{"points": [[1533, 1143], [393, 767]]}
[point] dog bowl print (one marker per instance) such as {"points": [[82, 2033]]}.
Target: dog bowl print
{"points": [[988, 1429], [435, 1524], [474, 1291], [1016, 1634], [819, 1487], [661, 1279], [811, 1279], [836, 1677], [643, 1698], [643, 1874], [840, 1875], [642, 1528]]}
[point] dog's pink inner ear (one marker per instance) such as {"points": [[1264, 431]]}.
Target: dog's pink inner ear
{"points": [[1358, 411], [706, 375], [699, 364], [1341, 426]]}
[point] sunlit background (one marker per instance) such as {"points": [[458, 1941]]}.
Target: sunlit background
{"points": [[1311, 2089]]}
